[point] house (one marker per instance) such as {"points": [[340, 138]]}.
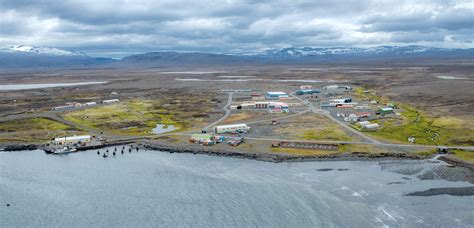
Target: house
{"points": [[233, 128], [351, 118], [110, 101], [276, 95], [72, 139], [361, 115]]}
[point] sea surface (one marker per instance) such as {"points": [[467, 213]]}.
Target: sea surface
{"points": [[10, 87], [158, 189]]}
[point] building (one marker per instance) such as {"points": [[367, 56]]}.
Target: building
{"points": [[371, 126], [362, 107], [63, 108], [110, 101], [276, 95], [278, 107], [231, 128], [384, 111], [306, 87], [72, 139], [351, 118], [91, 103], [331, 87], [367, 125], [257, 97], [202, 137], [362, 115], [306, 91], [75, 104]]}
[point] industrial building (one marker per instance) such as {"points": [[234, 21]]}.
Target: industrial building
{"points": [[384, 111], [306, 91], [72, 139], [276, 95], [278, 107], [233, 128], [63, 108], [110, 101]]}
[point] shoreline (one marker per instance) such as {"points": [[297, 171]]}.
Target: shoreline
{"points": [[265, 157]]}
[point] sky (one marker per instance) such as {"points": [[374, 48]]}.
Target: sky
{"points": [[115, 28]]}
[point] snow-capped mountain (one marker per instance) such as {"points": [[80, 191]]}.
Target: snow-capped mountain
{"points": [[32, 50], [23, 56], [295, 53]]}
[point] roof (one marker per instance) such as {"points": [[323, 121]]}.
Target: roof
{"points": [[72, 138], [276, 93], [387, 109], [232, 125]]}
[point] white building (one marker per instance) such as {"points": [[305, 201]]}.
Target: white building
{"points": [[72, 139], [331, 87], [91, 103], [111, 101], [231, 128]]}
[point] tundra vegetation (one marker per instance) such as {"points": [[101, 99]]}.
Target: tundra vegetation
{"points": [[35, 130]]}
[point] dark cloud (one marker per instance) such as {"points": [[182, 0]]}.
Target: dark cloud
{"points": [[122, 26]]}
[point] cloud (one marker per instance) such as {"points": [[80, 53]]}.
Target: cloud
{"points": [[125, 26]]}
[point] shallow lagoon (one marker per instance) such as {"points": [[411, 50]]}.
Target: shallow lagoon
{"points": [[11, 87]]}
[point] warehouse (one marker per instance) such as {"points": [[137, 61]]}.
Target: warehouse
{"points": [[278, 107], [384, 111], [233, 128], [306, 91], [72, 139], [276, 95], [331, 87], [63, 108], [257, 97], [110, 101]]}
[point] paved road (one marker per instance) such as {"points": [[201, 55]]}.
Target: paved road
{"points": [[342, 124], [226, 114]]}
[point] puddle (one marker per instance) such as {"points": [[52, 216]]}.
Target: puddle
{"points": [[162, 128]]}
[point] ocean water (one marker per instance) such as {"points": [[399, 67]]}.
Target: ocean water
{"points": [[158, 189]]}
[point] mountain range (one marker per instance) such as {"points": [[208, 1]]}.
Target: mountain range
{"points": [[21, 56]]}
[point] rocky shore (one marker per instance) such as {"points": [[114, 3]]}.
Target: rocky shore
{"points": [[274, 157]]}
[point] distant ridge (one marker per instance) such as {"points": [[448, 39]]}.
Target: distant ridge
{"points": [[22, 56]]}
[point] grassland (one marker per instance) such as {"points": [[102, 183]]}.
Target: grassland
{"points": [[312, 127], [305, 152], [464, 155], [140, 116], [36, 130], [426, 130]]}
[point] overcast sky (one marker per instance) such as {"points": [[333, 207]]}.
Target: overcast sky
{"points": [[120, 27]]}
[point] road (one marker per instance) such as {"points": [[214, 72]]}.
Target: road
{"points": [[327, 114], [226, 112]]}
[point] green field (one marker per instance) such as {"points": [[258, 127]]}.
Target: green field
{"points": [[140, 116], [36, 130], [464, 155], [426, 130]]}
